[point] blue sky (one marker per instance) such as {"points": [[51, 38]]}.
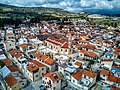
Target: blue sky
{"points": [[70, 5]]}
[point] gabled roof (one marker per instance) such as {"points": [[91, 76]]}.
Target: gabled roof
{"points": [[50, 61], [7, 62], [89, 54], [61, 43], [78, 63], [114, 79], [107, 60], [90, 74], [19, 55], [13, 68], [32, 67], [53, 76], [23, 45], [37, 63], [77, 75], [10, 80], [12, 52], [38, 55], [114, 88], [47, 59], [105, 72]]}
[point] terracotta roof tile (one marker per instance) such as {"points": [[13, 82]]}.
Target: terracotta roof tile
{"points": [[84, 41], [38, 55], [107, 60], [43, 58], [7, 62], [53, 76], [32, 67], [105, 72], [10, 80], [50, 61], [37, 63], [92, 54], [77, 75], [88, 73], [23, 45], [12, 52], [61, 43], [114, 88], [78, 63], [112, 78], [19, 55], [13, 68]]}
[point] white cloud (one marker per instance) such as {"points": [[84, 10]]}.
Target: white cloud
{"points": [[71, 5]]}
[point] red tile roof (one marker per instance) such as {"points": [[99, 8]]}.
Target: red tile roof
{"points": [[13, 68], [10, 80], [88, 73], [19, 55], [92, 54], [23, 45], [7, 62], [37, 63], [114, 88], [44, 57], [84, 41], [77, 75], [47, 59], [52, 75], [78, 63], [112, 78], [105, 72], [50, 61], [107, 60], [38, 55], [32, 67], [61, 43], [12, 52], [89, 54]]}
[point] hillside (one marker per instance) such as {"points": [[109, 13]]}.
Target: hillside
{"points": [[8, 10]]}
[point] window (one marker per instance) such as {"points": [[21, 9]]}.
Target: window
{"points": [[66, 50], [43, 82], [103, 75], [22, 83], [84, 76], [10, 44], [89, 77], [42, 68], [36, 75], [57, 81], [73, 80], [54, 88]]}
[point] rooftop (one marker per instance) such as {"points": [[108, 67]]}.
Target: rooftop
{"points": [[10, 80], [89, 73], [77, 75], [53, 76]]}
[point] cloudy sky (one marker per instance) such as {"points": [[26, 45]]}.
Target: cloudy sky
{"points": [[70, 5]]}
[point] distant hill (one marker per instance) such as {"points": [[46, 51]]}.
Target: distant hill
{"points": [[9, 10], [111, 12]]}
